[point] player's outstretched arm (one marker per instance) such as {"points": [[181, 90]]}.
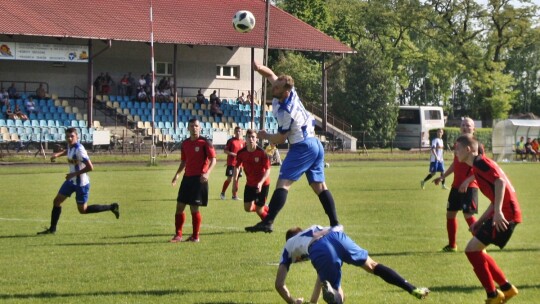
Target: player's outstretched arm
{"points": [[265, 71], [282, 289]]}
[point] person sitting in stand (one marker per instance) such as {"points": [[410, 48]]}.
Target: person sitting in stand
{"points": [[30, 106], [200, 97], [19, 113], [273, 154], [40, 92], [241, 99], [12, 91], [9, 113]]}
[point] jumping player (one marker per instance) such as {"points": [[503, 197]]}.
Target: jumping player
{"points": [[77, 181], [234, 144], [464, 193], [328, 248], [436, 160], [198, 158], [306, 153], [256, 165], [496, 224]]}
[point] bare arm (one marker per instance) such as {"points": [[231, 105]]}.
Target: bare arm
{"points": [[277, 138], [316, 291], [448, 172], [205, 176], [265, 71], [87, 168], [498, 218], [282, 289], [180, 169]]}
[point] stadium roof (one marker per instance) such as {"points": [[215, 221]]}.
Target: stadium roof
{"points": [[189, 22]]}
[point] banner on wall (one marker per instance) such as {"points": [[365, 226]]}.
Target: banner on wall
{"points": [[43, 52]]}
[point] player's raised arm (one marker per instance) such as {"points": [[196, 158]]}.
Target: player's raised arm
{"points": [[265, 72]]}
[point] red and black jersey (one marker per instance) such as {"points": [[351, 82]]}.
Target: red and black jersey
{"points": [[255, 164], [197, 154], [462, 171], [234, 145], [487, 172]]}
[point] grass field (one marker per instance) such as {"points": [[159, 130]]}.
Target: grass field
{"points": [[98, 259]]}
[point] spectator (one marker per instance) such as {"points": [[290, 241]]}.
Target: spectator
{"points": [[214, 97], [106, 84], [529, 149], [536, 148], [30, 106], [241, 99], [19, 113], [4, 96], [215, 109], [124, 84], [149, 83], [273, 154], [9, 113], [520, 148], [141, 94], [143, 83], [200, 97], [132, 84], [98, 83], [40, 92], [12, 91]]}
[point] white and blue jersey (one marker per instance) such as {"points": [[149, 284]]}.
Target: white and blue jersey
{"points": [[306, 153], [77, 156], [294, 118], [326, 253], [438, 146]]}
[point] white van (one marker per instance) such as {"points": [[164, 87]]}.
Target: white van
{"points": [[414, 123]]}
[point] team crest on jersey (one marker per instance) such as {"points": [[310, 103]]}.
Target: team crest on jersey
{"points": [[197, 149], [256, 159]]}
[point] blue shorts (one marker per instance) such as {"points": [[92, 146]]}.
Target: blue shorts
{"points": [[329, 252], [304, 157], [436, 166], [81, 192]]}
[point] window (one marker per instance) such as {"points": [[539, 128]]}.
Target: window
{"points": [[228, 71], [432, 115], [164, 68], [409, 116]]}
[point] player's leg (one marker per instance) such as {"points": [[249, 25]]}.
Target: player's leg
{"points": [[81, 197], [196, 221], [453, 205], [179, 220], [476, 256], [470, 205], [235, 186], [64, 192], [432, 170], [229, 174]]}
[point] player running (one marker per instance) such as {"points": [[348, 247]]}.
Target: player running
{"points": [[496, 224], [256, 165], [77, 181], [234, 144]]}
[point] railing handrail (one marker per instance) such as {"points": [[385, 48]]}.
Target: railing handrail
{"points": [[25, 90]]}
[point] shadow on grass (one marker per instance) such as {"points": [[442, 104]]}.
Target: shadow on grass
{"points": [[412, 253], [52, 295], [470, 289]]}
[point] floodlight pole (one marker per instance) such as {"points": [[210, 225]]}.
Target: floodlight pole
{"points": [[153, 147]]}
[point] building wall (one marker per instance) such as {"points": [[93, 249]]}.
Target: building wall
{"points": [[196, 66]]}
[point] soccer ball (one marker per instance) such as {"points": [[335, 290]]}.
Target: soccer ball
{"points": [[243, 21]]}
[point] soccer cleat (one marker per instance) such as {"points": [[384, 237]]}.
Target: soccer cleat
{"points": [[448, 248], [47, 231], [423, 185], [496, 300], [260, 227], [420, 293], [193, 239], [330, 295], [115, 208], [176, 239], [510, 293], [236, 198], [444, 187], [222, 196]]}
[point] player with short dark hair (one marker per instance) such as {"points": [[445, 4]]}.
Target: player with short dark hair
{"points": [[328, 248], [233, 145], [198, 158], [256, 165], [463, 194], [77, 181], [496, 224], [306, 153]]}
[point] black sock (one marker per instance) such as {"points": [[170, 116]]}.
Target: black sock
{"points": [[492, 294], [329, 206], [392, 277], [428, 177], [505, 287], [98, 208], [55, 216], [276, 203]]}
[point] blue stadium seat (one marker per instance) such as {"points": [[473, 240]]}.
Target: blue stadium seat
{"points": [[10, 123], [74, 124], [18, 123], [3, 123]]}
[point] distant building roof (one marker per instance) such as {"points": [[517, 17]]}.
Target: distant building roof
{"points": [[190, 22]]}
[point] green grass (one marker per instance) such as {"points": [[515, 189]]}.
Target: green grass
{"points": [[98, 259]]}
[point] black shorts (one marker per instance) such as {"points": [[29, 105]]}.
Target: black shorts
{"points": [[466, 202], [193, 192], [250, 195], [230, 170], [488, 234]]}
